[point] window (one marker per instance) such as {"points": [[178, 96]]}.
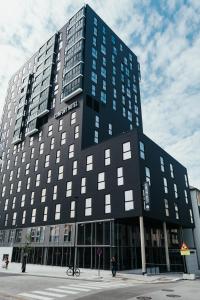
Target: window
{"points": [[103, 97], [103, 72], [58, 156], [110, 129], [47, 158], [94, 52], [128, 196], [60, 127], [142, 153], [88, 206], [36, 164], [107, 204], [171, 170], [18, 172], [165, 185], [14, 203], [37, 182], [28, 183], [23, 156], [114, 105], [97, 121], [67, 233], [57, 212], [166, 207], [40, 136], [50, 130], [32, 152], [148, 175], [32, 198], [72, 209], [42, 148], [176, 211], [69, 189], [19, 186], [83, 185], [94, 77], [6, 204], [93, 90], [23, 200], [74, 168], [33, 216], [49, 176], [6, 220], [126, 150], [63, 138], [23, 217], [89, 163], [76, 132], [31, 141], [54, 234], [107, 157], [186, 196], [14, 218], [43, 196], [52, 145], [73, 118], [96, 136], [191, 216], [45, 213], [55, 188], [71, 151], [120, 177], [175, 191], [162, 166], [101, 181], [60, 172], [186, 180]]}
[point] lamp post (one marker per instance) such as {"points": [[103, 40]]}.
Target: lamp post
{"points": [[75, 237]]}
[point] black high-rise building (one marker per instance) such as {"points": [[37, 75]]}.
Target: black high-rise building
{"points": [[75, 156]]}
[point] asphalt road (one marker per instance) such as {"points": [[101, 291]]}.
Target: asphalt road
{"points": [[24, 287]]}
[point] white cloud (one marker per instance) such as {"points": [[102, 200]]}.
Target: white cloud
{"points": [[166, 40]]}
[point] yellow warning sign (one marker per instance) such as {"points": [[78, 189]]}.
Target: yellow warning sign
{"points": [[184, 249]]}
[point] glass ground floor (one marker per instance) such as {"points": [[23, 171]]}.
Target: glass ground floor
{"points": [[94, 243]]}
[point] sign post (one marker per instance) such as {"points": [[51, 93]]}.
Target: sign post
{"points": [[184, 251], [99, 252]]}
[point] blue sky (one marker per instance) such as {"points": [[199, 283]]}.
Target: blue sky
{"points": [[164, 34]]}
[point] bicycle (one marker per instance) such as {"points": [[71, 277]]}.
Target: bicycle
{"points": [[70, 271]]}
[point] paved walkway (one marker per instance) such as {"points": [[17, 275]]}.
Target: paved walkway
{"points": [[89, 274]]}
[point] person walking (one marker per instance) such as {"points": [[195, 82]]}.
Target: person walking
{"points": [[114, 266], [24, 261], [6, 262]]}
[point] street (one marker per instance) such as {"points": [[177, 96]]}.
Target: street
{"points": [[24, 287]]}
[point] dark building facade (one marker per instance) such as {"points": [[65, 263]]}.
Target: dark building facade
{"points": [[74, 156]]}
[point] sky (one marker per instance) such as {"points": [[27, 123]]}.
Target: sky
{"points": [[165, 36]]}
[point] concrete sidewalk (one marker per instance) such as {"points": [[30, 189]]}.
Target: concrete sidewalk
{"points": [[90, 274]]}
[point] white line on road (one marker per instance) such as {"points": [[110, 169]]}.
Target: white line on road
{"points": [[62, 291], [35, 296], [83, 286], [75, 288], [48, 294]]}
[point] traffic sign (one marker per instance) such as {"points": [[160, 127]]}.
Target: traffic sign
{"points": [[184, 249]]}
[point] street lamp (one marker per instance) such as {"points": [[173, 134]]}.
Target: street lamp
{"points": [[75, 236]]}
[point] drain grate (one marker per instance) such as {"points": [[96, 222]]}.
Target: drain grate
{"points": [[144, 298], [173, 296], [167, 290]]}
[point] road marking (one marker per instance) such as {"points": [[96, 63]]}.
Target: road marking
{"points": [[35, 296], [62, 291], [74, 288], [83, 286], [48, 294]]}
